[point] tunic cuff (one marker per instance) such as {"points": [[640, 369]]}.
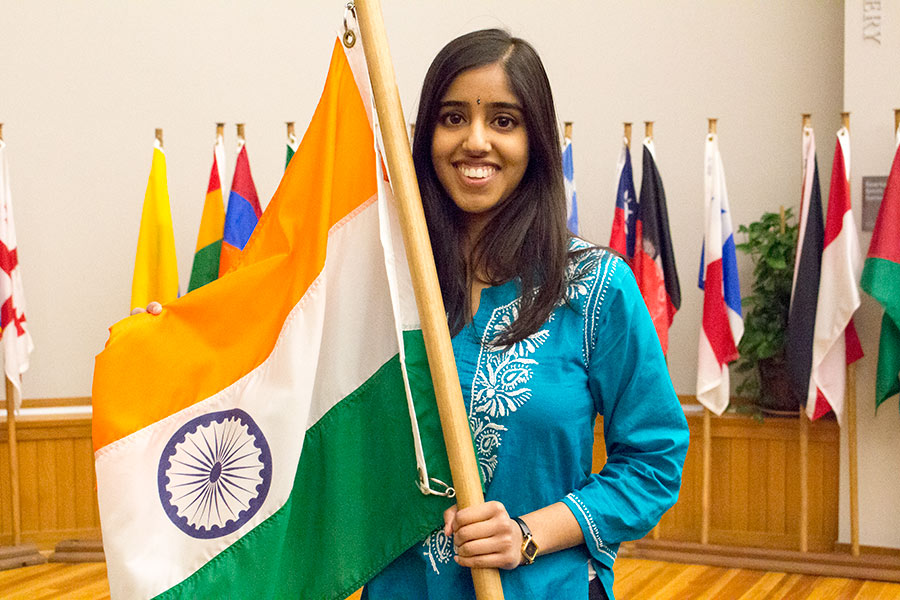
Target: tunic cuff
{"points": [[600, 551]]}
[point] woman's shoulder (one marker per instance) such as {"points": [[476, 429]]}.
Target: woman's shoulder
{"points": [[591, 264]]}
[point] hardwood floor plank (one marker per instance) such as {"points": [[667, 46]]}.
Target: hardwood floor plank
{"points": [[713, 592], [763, 586], [704, 582]]}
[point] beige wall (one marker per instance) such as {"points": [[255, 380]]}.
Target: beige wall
{"points": [[871, 93], [84, 83]]}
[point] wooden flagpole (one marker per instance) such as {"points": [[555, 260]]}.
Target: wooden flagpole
{"points": [[454, 422], [707, 444], [159, 136], [627, 134], [290, 131], [240, 132], [220, 130], [567, 130], [648, 133], [804, 455], [12, 443], [896, 120], [852, 456]]}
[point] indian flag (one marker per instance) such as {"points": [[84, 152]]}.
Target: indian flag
{"points": [[155, 268], [212, 224], [257, 439]]}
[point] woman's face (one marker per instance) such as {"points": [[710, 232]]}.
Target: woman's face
{"points": [[480, 145]]}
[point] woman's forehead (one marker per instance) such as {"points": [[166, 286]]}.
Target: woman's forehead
{"points": [[488, 83]]}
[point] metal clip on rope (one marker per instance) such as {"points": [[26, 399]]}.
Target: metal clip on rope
{"points": [[425, 486], [349, 37]]}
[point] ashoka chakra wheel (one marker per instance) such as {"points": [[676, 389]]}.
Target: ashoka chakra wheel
{"points": [[214, 473]]}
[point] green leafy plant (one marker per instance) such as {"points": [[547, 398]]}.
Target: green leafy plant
{"points": [[771, 247]]}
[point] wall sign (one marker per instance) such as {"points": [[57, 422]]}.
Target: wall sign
{"points": [[872, 193]]}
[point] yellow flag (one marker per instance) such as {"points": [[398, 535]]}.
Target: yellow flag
{"points": [[155, 267]]}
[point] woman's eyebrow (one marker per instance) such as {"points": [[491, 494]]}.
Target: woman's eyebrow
{"points": [[460, 103], [507, 105]]}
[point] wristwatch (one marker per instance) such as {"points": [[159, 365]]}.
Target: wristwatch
{"points": [[529, 546]]}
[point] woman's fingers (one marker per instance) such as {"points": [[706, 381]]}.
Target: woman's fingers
{"points": [[449, 517], [154, 308], [485, 536]]}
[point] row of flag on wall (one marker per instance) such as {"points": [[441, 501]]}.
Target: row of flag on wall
{"points": [[222, 235], [822, 338], [823, 298]]}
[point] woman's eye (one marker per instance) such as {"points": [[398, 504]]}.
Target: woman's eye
{"points": [[451, 119], [504, 122]]}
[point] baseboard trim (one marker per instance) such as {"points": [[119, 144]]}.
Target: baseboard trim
{"points": [[879, 567]]}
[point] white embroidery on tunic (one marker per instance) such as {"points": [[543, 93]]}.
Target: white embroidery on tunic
{"points": [[438, 549], [595, 531], [499, 387]]}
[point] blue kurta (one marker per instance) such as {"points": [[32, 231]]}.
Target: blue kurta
{"points": [[532, 408]]}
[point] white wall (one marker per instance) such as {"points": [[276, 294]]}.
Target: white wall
{"points": [[84, 83], [871, 93]]}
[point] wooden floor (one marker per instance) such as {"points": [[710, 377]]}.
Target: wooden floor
{"points": [[636, 579]]}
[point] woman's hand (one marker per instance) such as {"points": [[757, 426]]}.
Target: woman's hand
{"points": [[484, 536], [154, 308]]}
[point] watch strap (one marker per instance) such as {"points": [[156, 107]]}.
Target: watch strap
{"points": [[529, 546]]}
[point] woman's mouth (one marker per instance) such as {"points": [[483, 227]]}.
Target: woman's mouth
{"points": [[479, 172]]}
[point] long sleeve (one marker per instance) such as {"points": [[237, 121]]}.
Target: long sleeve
{"points": [[644, 426]]}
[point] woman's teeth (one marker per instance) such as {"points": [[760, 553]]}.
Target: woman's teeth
{"points": [[477, 172]]}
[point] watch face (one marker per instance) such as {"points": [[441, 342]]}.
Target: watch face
{"points": [[530, 549]]}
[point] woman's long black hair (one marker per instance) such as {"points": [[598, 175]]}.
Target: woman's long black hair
{"points": [[527, 238]]}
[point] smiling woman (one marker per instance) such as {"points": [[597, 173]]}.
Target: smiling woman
{"points": [[548, 332]]}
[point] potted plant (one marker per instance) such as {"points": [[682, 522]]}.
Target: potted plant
{"points": [[771, 243]]}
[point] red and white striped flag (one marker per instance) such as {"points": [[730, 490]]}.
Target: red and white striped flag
{"points": [[17, 344], [836, 344]]}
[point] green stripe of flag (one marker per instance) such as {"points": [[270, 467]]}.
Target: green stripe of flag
{"points": [[879, 279], [206, 265]]}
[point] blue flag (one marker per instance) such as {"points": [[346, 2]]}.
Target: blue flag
{"points": [[569, 179]]}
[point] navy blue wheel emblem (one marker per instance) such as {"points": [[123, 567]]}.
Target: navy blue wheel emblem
{"points": [[214, 474]]}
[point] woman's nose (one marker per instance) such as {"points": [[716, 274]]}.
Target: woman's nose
{"points": [[477, 139]]}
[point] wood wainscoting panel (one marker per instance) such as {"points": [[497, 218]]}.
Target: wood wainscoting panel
{"points": [[57, 485], [755, 483]]}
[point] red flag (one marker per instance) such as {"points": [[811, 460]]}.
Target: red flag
{"points": [[654, 260]]}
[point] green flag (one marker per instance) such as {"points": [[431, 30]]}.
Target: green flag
{"points": [[880, 278]]}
